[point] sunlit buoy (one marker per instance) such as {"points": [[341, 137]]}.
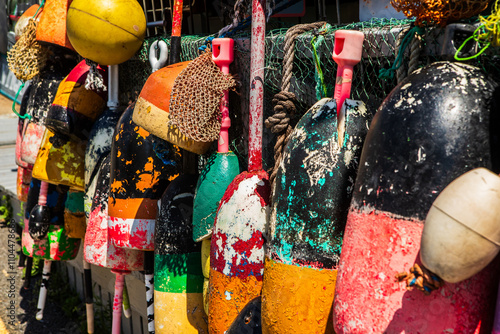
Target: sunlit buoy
{"points": [[108, 32], [52, 26]]}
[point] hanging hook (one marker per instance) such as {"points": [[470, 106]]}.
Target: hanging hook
{"points": [[158, 54]]}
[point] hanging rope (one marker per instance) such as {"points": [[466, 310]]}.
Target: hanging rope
{"points": [[284, 101], [420, 278], [388, 74]]}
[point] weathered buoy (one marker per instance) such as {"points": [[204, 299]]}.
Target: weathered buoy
{"points": [[434, 126], [178, 299], [75, 108], [138, 179], [237, 248], [151, 110], [461, 233], [61, 162], [107, 33], [248, 320], [23, 183], [24, 19], [52, 26], [98, 248], [223, 166], [311, 199]]}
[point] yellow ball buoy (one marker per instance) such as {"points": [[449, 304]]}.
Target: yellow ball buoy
{"points": [[107, 32]]}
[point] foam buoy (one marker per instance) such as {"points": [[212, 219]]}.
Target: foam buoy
{"points": [[61, 162], [461, 234], [24, 19], [107, 33], [138, 179], [434, 126], [152, 109], [52, 26], [75, 108], [178, 299], [23, 182], [74, 215]]}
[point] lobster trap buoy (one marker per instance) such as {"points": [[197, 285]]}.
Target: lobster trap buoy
{"points": [[461, 234], [75, 107], [138, 179], [178, 290], [74, 215], [434, 126], [107, 33], [52, 26]]}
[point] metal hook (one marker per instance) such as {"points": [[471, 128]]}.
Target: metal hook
{"points": [[156, 60]]}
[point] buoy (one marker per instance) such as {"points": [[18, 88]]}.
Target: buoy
{"points": [[23, 183], [24, 19], [434, 126], [74, 216], [61, 163], [52, 26], [75, 107], [461, 233], [237, 245], [107, 33], [138, 179], [223, 166], [248, 320], [178, 298]]}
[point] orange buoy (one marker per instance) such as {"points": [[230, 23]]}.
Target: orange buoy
{"points": [[52, 26], [106, 32], [24, 19]]}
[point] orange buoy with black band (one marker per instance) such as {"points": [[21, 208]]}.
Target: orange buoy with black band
{"points": [[106, 32], [52, 26]]}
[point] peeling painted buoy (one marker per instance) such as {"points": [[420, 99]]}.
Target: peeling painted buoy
{"points": [[61, 161], [434, 126], [248, 320], [461, 234], [23, 183], [310, 203], [75, 108], [74, 216], [178, 299], [138, 179], [98, 248]]}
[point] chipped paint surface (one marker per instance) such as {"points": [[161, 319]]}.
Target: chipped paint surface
{"points": [[314, 187], [297, 299], [179, 313], [369, 300], [32, 138], [138, 178], [427, 132], [63, 165], [220, 170], [23, 183], [98, 248], [223, 311]]}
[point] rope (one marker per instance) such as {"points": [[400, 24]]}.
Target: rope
{"points": [[401, 71], [94, 80], [420, 278], [388, 74], [415, 51], [284, 101]]}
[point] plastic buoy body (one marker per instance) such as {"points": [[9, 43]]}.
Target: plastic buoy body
{"points": [[237, 249], [310, 205], [151, 109], [61, 163], [220, 170], [462, 229], [52, 26], [108, 33], [434, 126], [98, 248], [178, 305], [138, 179], [56, 245], [75, 108]]}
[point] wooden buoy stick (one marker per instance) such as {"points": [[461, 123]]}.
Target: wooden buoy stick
{"points": [[43, 288]]}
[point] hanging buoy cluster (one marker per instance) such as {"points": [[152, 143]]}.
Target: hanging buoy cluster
{"points": [[368, 209]]}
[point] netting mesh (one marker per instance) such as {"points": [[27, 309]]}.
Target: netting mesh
{"points": [[195, 99], [27, 57], [379, 52]]}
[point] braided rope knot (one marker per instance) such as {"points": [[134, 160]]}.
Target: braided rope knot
{"points": [[284, 107], [421, 278]]}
